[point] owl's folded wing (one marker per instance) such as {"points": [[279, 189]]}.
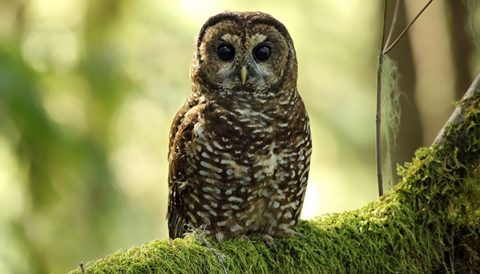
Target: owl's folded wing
{"points": [[181, 136]]}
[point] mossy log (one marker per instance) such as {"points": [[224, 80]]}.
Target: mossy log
{"points": [[429, 223]]}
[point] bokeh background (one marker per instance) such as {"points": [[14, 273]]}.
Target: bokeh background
{"points": [[88, 89]]}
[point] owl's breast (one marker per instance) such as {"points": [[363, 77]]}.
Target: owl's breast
{"points": [[246, 134], [234, 140], [239, 122]]}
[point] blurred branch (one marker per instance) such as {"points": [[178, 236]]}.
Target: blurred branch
{"points": [[462, 40], [429, 224], [457, 115]]}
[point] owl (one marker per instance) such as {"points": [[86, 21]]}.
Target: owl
{"points": [[239, 149]]}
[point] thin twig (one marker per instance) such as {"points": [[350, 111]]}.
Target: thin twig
{"points": [[394, 22], [378, 120], [82, 268], [388, 48]]}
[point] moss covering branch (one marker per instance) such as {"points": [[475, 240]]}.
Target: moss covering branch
{"points": [[429, 223]]}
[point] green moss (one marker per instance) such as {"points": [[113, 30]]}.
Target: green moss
{"points": [[429, 223]]}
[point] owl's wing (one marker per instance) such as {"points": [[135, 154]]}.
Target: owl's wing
{"points": [[181, 135]]}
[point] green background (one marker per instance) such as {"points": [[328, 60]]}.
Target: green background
{"points": [[88, 90]]}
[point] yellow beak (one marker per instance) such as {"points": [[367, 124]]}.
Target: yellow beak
{"points": [[243, 75]]}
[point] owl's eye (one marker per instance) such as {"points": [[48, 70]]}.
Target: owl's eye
{"points": [[262, 52], [226, 52]]}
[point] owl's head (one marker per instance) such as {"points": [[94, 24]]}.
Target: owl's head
{"points": [[244, 51]]}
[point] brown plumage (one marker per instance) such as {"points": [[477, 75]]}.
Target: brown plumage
{"points": [[240, 147]]}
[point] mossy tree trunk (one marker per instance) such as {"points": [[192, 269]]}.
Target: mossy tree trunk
{"points": [[429, 223]]}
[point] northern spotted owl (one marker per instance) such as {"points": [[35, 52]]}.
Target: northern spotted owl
{"points": [[240, 147]]}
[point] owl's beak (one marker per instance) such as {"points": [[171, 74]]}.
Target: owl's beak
{"points": [[243, 75]]}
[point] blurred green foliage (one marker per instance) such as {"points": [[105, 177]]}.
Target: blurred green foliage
{"points": [[87, 93]]}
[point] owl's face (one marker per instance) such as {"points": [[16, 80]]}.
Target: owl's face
{"points": [[250, 52]]}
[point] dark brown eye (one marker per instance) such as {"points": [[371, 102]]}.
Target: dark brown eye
{"points": [[262, 52], [226, 52]]}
